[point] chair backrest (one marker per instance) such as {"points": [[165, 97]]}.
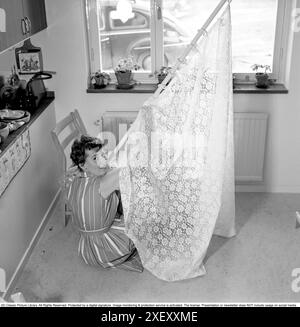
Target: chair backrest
{"points": [[65, 132]]}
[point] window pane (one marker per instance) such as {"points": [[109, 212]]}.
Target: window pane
{"points": [[126, 33], [138, 21], [253, 29]]}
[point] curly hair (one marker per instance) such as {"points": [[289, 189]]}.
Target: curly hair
{"points": [[78, 154]]}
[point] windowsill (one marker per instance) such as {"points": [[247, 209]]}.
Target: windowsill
{"points": [[150, 88], [138, 88], [251, 88]]}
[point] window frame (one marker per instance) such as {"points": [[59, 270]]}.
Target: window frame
{"points": [[282, 41], [283, 36], [104, 23]]}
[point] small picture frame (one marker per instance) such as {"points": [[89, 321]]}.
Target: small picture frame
{"points": [[29, 59], [30, 62]]}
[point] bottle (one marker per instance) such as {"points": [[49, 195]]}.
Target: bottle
{"points": [[30, 99]]}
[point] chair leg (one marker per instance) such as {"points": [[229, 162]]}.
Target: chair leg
{"points": [[68, 215], [67, 219]]}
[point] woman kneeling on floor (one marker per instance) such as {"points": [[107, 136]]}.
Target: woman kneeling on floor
{"points": [[96, 210]]}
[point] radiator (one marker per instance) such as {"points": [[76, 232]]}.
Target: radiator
{"points": [[250, 131], [117, 123]]}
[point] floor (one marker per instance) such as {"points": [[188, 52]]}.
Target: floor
{"points": [[254, 266]]}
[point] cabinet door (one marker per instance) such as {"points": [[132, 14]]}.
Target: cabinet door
{"points": [[14, 15], [35, 15]]}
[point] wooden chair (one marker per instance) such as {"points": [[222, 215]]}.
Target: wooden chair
{"points": [[65, 132]]}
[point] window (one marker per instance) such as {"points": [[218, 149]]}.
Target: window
{"points": [[156, 32], [138, 21]]}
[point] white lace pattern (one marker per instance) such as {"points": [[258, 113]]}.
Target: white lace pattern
{"points": [[173, 207]]}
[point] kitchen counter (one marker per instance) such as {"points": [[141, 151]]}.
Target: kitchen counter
{"points": [[31, 195], [5, 144]]}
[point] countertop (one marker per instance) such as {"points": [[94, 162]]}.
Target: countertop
{"points": [[45, 102]]}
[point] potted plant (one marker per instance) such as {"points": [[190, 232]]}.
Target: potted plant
{"points": [[163, 72], [262, 77], [123, 73], [100, 80]]}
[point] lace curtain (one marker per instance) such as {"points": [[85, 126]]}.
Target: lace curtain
{"points": [[177, 176]]}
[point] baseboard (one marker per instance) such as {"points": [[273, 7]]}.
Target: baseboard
{"points": [[14, 279], [252, 188]]}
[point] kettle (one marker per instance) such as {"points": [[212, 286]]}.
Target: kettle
{"points": [[36, 90]]}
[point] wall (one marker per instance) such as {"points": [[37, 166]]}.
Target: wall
{"points": [[64, 50]]}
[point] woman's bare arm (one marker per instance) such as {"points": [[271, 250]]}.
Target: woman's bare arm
{"points": [[109, 182]]}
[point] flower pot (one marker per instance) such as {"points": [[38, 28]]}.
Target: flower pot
{"points": [[99, 86], [161, 78], [262, 80], [124, 78], [100, 82]]}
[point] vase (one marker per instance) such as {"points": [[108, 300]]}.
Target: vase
{"points": [[99, 83], [161, 78], [262, 80], [99, 86], [124, 78]]}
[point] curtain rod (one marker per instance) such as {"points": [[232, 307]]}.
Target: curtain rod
{"points": [[180, 60], [201, 31]]}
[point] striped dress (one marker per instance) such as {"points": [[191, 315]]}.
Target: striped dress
{"points": [[103, 241]]}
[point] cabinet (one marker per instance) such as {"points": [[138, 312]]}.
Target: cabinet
{"points": [[35, 15], [23, 19], [14, 15], [24, 204]]}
